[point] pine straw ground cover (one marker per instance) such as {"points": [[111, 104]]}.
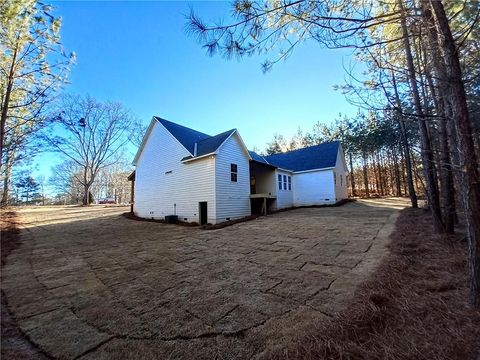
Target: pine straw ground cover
{"points": [[413, 307]]}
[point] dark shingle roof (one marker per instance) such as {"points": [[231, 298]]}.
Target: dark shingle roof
{"points": [[186, 136], [310, 158], [257, 157], [209, 145], [206, 144]]}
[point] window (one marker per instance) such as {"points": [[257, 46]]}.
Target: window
{"points": [[335, 178], [284, 182], [341, 180], [233, 172], [280, 182], [290, 183]]}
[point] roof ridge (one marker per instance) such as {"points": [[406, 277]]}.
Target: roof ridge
{"points": [[185, 135], [219, 134], [306, 147], [318, 156], [177, 124]]}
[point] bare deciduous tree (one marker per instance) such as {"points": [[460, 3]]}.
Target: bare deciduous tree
{"points": [[94, 134]]}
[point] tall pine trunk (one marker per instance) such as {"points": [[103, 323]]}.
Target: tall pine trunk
{"points": [[365, 177], [396, 168], [352, 177], [406, 147], [470, 185], [6, 182], [447, 189], [6, 103], [426, 148]]}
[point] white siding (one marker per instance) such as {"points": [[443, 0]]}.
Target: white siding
{"points": [[233, 198], [188, 184], [313, 188], [341, 190], [284, 197]]}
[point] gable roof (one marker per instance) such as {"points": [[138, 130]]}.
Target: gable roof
{"points": [[258, 158], [309, 158], [196, 142], [186, 136], [211, 144]]}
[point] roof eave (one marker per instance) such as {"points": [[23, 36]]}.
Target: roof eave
{"points": [[144, 140], [287, 170], [263, 163], [312, 170], [199, 157]]}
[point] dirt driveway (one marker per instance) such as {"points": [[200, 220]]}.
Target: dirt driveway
{"points": [[91, 284]]}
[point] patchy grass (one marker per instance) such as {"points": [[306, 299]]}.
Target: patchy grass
{"points": [[413, 307]]}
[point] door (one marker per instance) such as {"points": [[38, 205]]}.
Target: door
{"points": [[202, 210]]}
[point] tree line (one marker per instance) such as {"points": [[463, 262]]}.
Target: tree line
{"points": [[422, 79], [376, 162]]}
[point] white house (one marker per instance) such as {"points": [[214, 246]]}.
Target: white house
{"points": [[211, 179]]}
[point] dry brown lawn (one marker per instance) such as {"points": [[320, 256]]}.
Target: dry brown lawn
{"points": [[87, 283]]}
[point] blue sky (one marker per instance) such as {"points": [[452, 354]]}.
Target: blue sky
{"points": [[139, 53]]}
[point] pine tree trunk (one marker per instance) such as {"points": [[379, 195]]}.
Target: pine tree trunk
{"points": [[404, 171], [406, 147], [6, 183], [365, 177], [447, 190], [5, 105], [470, 186], [375, 175], [397, 174], [380, 174], [440, 97], [426, 148], [352, 177]]}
